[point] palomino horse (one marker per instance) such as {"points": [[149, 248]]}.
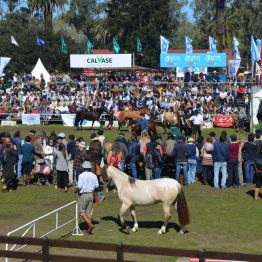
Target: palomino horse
{"points": [[169, 119], [88, 115], [136, 130], [135, 116], [134, 192]]}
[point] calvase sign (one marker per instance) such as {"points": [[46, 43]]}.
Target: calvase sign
{"points": [[101, 61]]}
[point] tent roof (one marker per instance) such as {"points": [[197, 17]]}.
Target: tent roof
{"points": [[40, 69]]}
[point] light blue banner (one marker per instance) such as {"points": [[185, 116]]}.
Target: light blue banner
{"points": [[193, 60]]}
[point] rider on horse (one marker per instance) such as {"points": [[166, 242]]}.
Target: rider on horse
{"points": [[143, 123]]}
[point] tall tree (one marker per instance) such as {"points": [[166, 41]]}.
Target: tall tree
{"points": [[220, 22], [47, 7]]}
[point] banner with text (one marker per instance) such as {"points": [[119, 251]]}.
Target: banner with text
{"points": [[224, 120], [31, 119], [193, 60], [101, 61]]}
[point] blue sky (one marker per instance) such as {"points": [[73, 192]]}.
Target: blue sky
{"points": [[188, 9]]}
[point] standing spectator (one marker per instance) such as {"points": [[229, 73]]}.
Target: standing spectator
{"points": [[249, 154], [193, 154], [241, 118], [258, 165], [18, 142], [207, 161], [157, 161], [87, 184], [79, 159], [101, 136], [169, 148], [220, 156], [33, 136], [197, 120], [61, 167], [8, 161], [115, 156], [49, 152], [181, 156], [71, 149], [28, 151], [233, 176], [133, 155]]}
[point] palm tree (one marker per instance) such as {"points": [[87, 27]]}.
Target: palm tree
{"points": [[220, 22], [47, 6]]}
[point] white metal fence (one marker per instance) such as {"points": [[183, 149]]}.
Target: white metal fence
{"points": [[32, 226]]}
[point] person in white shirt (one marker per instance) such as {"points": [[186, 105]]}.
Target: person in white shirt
{"points": [[86, 186], [197, 120]]}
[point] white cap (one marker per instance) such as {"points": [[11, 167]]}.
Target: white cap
{"points": [[61, 135], [86, 164]]}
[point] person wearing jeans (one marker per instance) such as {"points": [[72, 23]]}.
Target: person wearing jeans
{"points": [[220, 157], [193, 154], [181, 155], [133, 155], [249, 154]]}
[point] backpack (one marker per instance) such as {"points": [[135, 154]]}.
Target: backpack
{"points": [[149, 161]]}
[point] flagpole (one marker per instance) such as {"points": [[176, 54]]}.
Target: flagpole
{"points": [[133, 55]]}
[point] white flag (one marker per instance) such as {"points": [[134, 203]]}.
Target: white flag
{"points": [[3, 62], [164, 45], [13, 41]]}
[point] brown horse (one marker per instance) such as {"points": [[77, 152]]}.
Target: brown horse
{"points": [[170, 119], [134, 116], [136, 130]]}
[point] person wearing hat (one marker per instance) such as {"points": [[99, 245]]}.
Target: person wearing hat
{"points": [[33, 136], [79, 159], [61, 139], [197, 120], [193, 154], [86, 186], [241, 118]]}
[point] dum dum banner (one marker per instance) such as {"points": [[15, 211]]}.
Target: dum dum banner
{"points": [[101, 61]]}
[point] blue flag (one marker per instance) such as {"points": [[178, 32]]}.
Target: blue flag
{"points": [[258, 42], [235, 49], [255, 56], [189, 47], [164, 45], [116, 46], [212, 45], [40, 41]]}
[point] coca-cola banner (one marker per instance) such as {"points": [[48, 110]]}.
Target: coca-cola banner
{"points": [[224, 120]]}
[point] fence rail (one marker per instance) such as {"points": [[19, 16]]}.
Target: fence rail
{"points": [[120, 250]]}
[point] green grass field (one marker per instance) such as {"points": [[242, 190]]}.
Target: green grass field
{"points": [[228, 220]]}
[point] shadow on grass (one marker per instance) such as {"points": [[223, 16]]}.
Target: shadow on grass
{"points": [[142, 224], [252, 193]]}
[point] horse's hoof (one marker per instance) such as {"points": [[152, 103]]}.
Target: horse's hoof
{"points": [[134, 229], [127, 229], [181, 232], [159, 232]]}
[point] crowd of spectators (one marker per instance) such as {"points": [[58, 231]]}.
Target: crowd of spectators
{"points": [[183, 159], [21, 93]]}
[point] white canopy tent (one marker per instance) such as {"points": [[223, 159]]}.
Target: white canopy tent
{"points": [[3, 62], [40, 69], [256, 100]]}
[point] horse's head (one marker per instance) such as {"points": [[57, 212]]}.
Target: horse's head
{"points": [[105, 177]]}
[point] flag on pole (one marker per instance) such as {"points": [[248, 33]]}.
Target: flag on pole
{"points": [[255, 56], [164, 45], [116, 46], [139, 47], [212, 45], [40, 41], [235, 49], [64, 48], [258, 42], [89, 46], [189, 47], [13, 41]]}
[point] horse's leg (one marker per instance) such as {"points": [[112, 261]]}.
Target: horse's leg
{"points": [[81, 122], [92, 124], [166, 208], [133, 214], [123, 209]]}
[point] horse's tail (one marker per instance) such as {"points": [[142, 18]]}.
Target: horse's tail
{"points": [[182, 209]]}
